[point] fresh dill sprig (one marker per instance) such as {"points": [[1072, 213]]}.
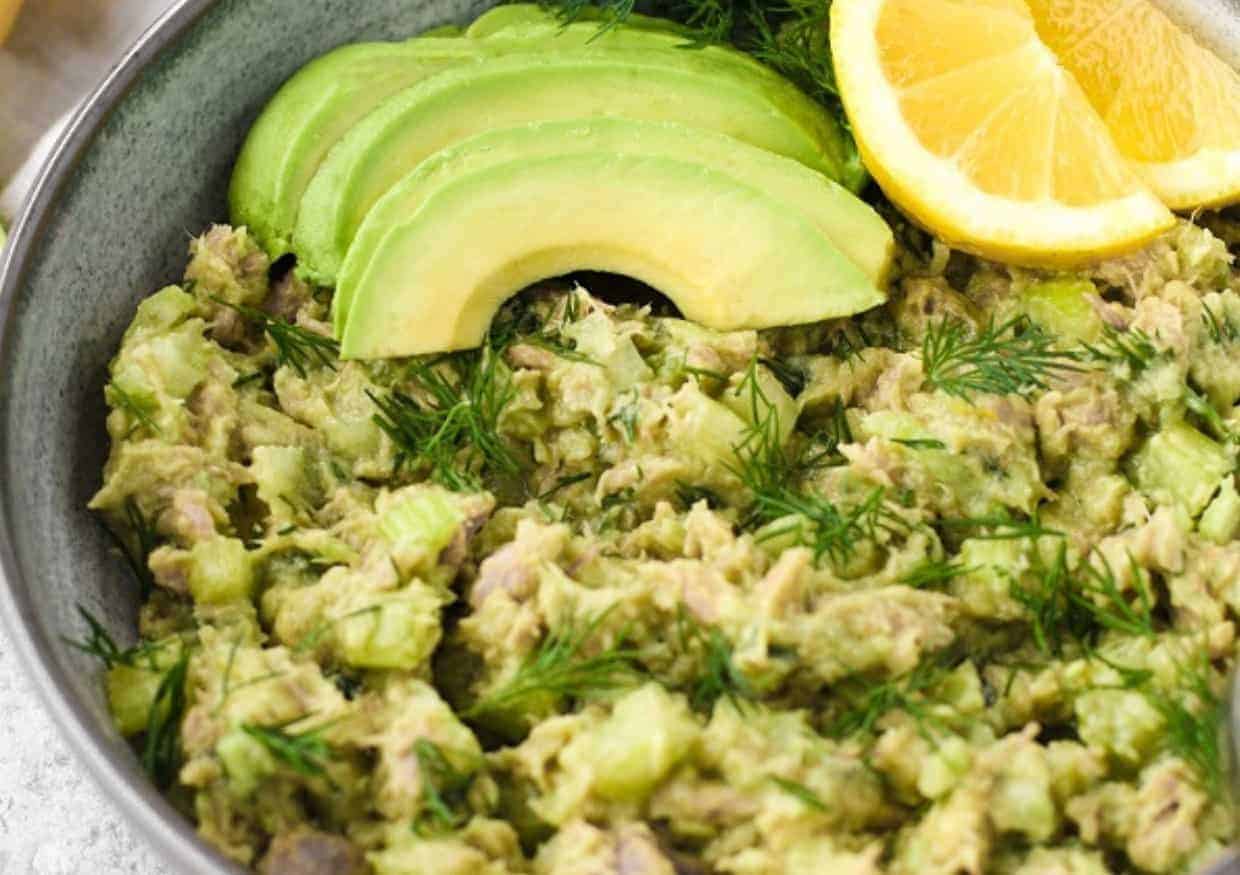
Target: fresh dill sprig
{"points": [[609, 13], [1011, 358], [451, 426], [306, 753], [99, 644], [138, 553], [518, 322], [772, 474], [868, 703], [1055, 616], [1099, 593], [560, 667], [1131, 347], [445, 789], [295, 346], [1220, 330], [796, 42], [920, 443], [564, 482], [1193, 731], [1001, 526], [717, 676], [934, 574], [122, 400], [161, 749], [794, 788], [1198, 404]]}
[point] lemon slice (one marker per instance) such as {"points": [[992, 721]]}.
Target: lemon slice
{"points": [[1172, 106], [971, 125]]}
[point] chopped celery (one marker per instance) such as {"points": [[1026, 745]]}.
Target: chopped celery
{"points": [[742, 401], [1062, 307], [220, 571], [703, 428], [1180, 465], [647, 734], [420, 525], [1221, 521], [395, 630], [601, 343], [163, 310], [246, 762], [283, 482]]}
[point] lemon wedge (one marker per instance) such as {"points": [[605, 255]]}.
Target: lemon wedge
{"points": [[1172, 106], [969, 122]]}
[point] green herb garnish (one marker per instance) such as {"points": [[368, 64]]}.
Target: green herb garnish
{"points": [[920, 443], [161, 749], [868, 703], [306, 753], [445, 789], [1131, 347], [934, 574], [1012, 358], [717, 676], [100, 644], [122, 400], [295, 346], [451, 427], [800, 791], [559, 667]]}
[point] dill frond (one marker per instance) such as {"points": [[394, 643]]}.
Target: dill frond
{"points": [[920, 443], [99, 644], [626, 418], [295, 346], [450, 428], [1099, 593], [122, 400], [717, 676], [1220, 330], [306, 753], [1131, 347], [1194, 731], [792, 377], [1012, 358], [161, 749], [689, 494], [999, 527], [934, 574], [137, 553], [445, 789], [807, 796], [1055, 615], [560, 668], [868, 703]]}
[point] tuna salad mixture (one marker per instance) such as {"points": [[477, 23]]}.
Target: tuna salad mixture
{"points": [[950, 587]]}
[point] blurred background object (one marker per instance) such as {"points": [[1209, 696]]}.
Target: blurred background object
{"points": [[56, 52]]}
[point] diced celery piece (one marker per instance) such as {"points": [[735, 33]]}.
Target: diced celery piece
{"points": [[396, 630], [1061, 307], [419, 524], [704, 429], [1221, 521], [647, 734], [131, 692], [598, 339], [220, 571], [1021, 802], [1121, 721], [246, 762], [283, 482], [179, 358], [771, 396], [160, 312], [1179, 465]]}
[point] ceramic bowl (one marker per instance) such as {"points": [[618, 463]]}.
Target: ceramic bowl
{"points": [[143, 165]]}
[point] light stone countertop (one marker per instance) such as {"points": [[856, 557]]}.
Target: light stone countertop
{"points": [[54, 820]]}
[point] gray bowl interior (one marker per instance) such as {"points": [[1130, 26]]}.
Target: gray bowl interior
{"points": [[143, 167], [110, 224]]}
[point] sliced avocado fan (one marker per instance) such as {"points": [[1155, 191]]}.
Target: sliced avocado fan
{"points": [[326, 98], [849, 224], [729, 255], [688, 87]]}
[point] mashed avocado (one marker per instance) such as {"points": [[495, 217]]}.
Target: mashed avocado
{"points": [[950, 587]]}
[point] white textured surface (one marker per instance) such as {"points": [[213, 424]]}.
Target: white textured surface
{"points": [[53, 818]]}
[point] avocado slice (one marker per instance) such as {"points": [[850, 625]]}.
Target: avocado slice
{"points": [[690, 87], [849, 223], [728, 254], [327, 97]]}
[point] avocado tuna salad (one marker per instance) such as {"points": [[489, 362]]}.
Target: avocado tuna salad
{"points": [[948, 587]]}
